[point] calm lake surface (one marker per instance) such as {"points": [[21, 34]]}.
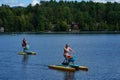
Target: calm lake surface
{"points": [[99, 52]]}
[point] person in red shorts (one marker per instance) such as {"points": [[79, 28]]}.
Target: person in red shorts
{"points": [[67, 55]]}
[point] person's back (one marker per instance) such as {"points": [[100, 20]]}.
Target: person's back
{"points": [[25, 45]]}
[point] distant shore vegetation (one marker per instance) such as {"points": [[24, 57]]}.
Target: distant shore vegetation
{"points": [[62, 16]]}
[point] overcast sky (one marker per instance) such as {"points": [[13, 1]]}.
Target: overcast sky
{"points": [[33, 2]]}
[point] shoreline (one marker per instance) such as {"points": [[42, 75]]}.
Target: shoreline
{"points": [[81, 32]]}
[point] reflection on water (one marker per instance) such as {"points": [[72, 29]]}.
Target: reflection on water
{"points": [[24, 66], [69, 76], [25, 60]]}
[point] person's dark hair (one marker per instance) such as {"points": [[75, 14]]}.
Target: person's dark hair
{"points": [[67, 45]]}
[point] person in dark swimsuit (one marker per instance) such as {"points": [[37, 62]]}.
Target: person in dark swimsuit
{"points": [[24, 44]]}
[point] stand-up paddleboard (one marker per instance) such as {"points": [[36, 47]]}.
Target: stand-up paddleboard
{"points": [[70, 68], [29, 53]]}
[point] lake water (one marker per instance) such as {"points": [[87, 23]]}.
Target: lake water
{"points": [[99, 52]]}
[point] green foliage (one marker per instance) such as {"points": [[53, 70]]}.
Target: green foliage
{"points": [[58, 16]]}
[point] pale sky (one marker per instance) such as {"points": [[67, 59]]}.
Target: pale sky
{"points": [[33, 2]]}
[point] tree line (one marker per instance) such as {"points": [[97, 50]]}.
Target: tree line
{"points": [[58, 16]]}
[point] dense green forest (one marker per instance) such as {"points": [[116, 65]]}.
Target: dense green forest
{"points": [[59, 16]]}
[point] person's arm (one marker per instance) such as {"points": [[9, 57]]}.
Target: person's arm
{"points": [[71, 50], [65, 49]]}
